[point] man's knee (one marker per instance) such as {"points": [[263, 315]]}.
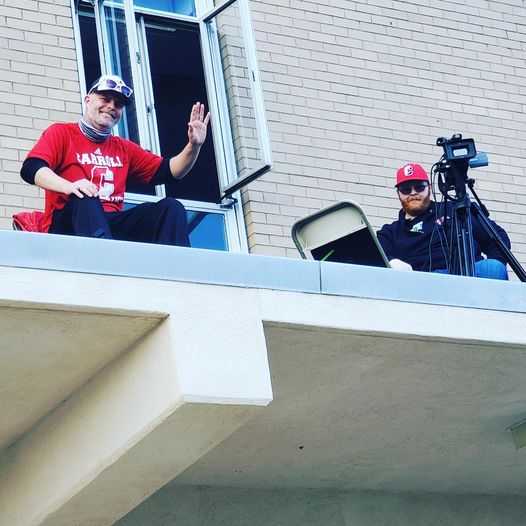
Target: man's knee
{"points": [[172, 206], [492, 269], [165, 222], [85, 202], [88, 218]]}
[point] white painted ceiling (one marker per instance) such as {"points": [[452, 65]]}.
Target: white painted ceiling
{"points": [[46, 355], [370, 412]]}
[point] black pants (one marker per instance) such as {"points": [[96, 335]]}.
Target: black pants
{"points": [[163, 222]]}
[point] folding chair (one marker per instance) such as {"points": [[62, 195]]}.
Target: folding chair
{"points": [[339, 233]]}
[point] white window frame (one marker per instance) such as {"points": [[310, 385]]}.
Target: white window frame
{"points": [[230, 183]]}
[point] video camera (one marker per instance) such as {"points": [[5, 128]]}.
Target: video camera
{"points": [[459, 155], [457, 149]]}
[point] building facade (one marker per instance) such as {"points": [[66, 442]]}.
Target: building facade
{"points": [[146, 384]]}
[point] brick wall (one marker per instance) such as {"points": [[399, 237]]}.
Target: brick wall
{"points": [[354, 89], [38, 86]]}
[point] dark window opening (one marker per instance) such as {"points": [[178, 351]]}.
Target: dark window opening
{"points": [[178, 82]]}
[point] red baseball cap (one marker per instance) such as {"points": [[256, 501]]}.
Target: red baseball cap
{"points": [[411, 172]]}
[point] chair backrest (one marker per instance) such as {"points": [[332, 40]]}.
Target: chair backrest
{"points": [[340, 233], [28, 221]]}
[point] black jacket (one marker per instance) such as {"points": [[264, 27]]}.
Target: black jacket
{"points": [[423, 242]]}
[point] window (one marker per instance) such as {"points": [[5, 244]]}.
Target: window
{"points": [[175, 53]]}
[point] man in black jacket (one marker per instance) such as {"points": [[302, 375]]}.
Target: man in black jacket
{"points": [[418, 239]]}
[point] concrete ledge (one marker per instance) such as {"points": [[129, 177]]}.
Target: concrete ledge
{"points": [[141, 260], [422, 287]]}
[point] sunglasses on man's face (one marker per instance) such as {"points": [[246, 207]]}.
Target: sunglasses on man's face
{"points": [[406, 189]]}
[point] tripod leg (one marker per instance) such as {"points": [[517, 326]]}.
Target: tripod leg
{"points": [[462, 255]]}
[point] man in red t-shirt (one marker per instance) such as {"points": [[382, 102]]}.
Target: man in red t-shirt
{"points": [[83, 168]]}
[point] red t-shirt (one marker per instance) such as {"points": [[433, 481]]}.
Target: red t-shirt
{"points": [[107, 164]]}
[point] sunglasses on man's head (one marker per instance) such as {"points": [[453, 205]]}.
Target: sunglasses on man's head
{"points": [[110, 84], [406, 188]]}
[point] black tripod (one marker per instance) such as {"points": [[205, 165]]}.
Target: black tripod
{"points": [[461, 243]]}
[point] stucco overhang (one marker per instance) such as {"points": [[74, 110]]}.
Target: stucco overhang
{"points": [[147, 365]]}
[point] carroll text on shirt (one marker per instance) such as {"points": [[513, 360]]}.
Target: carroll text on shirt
{"points": [[101, 160]]}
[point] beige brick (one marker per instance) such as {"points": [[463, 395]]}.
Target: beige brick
{"points": [[26, 5], [293, 211], [272, 230], [281, 241], [265, 250], [24, 190], [28, 26], [33, 203], [257, 217], [28, 133], [10, 12], [33, 68], [8, 153], [13, 177], [41, 102], [320, 194], [285, 221], [9, 33], [256, 239], [5, 222], [63, 11], [66, 43], [10, 200]]}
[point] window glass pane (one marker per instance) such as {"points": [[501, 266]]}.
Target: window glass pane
{"points": [[183, 7], [232, 70], [239, 99], [117, 55], [207, 230], [90, 46]]}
